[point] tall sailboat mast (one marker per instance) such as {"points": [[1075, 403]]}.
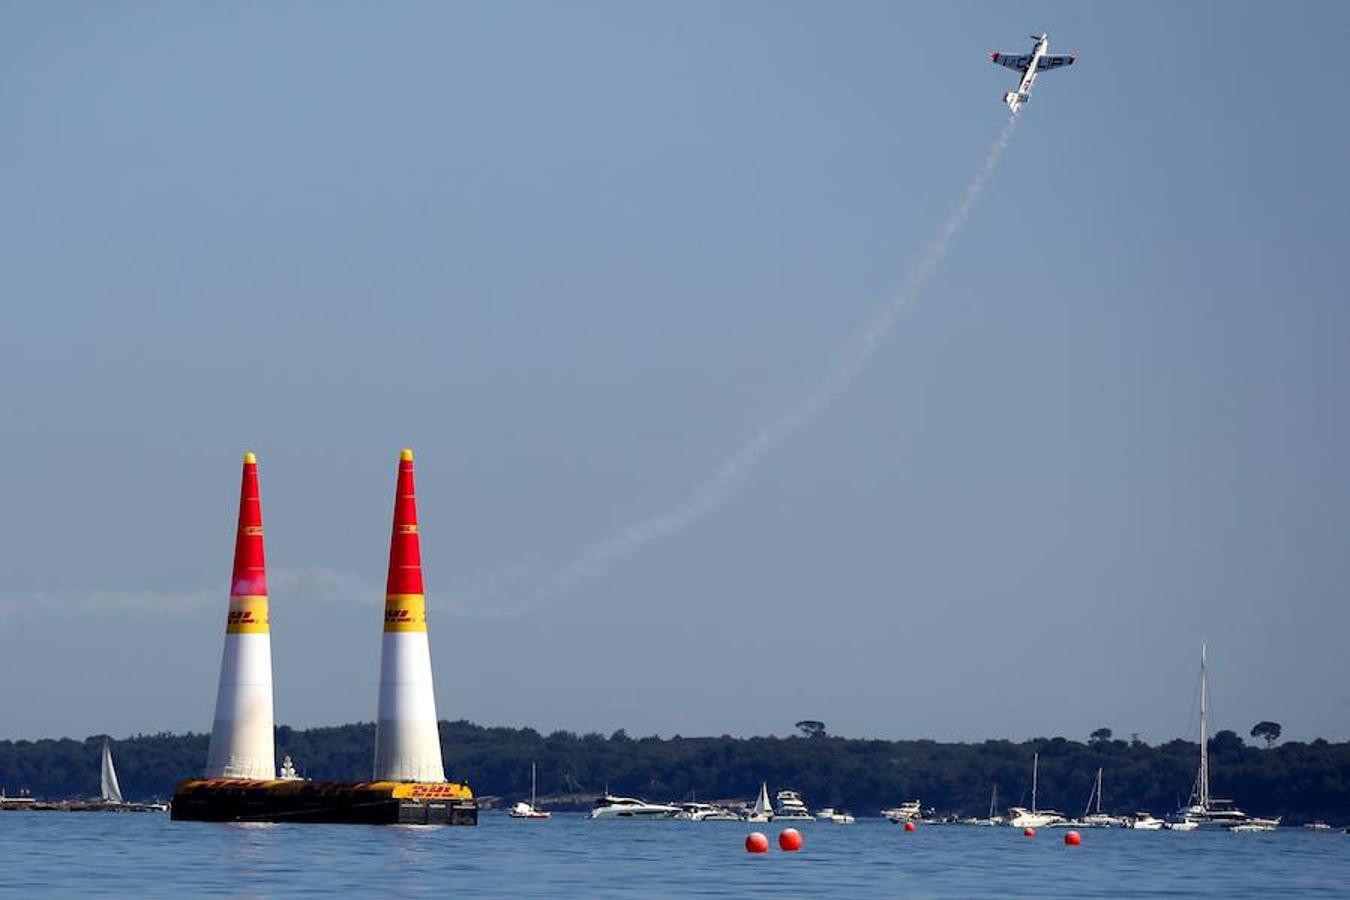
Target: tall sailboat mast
{"points": [[1094, 794], [1035, 767], [1204, 734]]}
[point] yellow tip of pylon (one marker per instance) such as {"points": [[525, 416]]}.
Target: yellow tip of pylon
{"points": [[406, 455], [249, 457]]}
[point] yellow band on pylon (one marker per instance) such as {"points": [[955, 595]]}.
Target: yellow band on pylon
{"points": [[248, 615], [405, 612]]}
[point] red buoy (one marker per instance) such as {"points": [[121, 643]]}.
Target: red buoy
{"points": [[910, 826], [1028, 832], [1072, 838], [756, 842], [789, 840]]}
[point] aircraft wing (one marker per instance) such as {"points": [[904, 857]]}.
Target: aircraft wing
{"points": [[1020, 62], [1054, 61]]}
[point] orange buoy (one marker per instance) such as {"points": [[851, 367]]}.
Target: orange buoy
{"points": [[910, 826], [1072, 838], [1028, 832], [756, 842], [789, 840]]}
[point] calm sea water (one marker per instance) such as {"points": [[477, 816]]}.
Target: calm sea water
{"points": [[146, 854]]}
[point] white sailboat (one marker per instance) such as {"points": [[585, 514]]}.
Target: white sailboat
{"points": [[523, 810], [1021, 817], [993, 818], [1206, 811], [762, 811], [110, 790], [1093, 818]]}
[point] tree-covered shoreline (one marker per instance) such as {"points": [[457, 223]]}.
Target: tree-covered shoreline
{"points": [[1297, 780]]}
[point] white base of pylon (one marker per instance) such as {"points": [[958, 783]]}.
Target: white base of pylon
{"points": [[241, 735], [407, 740]]}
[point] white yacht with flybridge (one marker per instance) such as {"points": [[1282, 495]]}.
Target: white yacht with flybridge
{"points": [[611, 807], [790, 808]]}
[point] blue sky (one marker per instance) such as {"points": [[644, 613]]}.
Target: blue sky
{"points": [[578, 256]]}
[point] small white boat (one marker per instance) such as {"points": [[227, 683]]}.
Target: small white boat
{"points": [[1144, 822], [693, 811], [611, 807], [1021, 817], [1319, 825], [790, 808], [762, 811], [523, 810], [829, 814], [1182, 825], [1254, 825], [909, 811]]}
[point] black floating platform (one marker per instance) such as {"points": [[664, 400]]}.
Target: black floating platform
{"points": [[353, 802]]}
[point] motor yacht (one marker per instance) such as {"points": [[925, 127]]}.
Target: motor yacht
{"points": [[1021, 817], [611, 807], [790, 808]]}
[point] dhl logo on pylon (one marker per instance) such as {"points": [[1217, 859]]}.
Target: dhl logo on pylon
{"points": [[248, 584], [405, 605]]}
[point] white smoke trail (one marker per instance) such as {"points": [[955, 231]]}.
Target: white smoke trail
{"points": [[596, 560], [310, 588]]}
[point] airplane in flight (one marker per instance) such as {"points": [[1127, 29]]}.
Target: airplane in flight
{"points": [[1030, 65]]}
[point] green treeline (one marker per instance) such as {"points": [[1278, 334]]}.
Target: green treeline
{"points": [[1300, 781]]}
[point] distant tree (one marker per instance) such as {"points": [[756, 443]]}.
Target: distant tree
{"points": [[1100, 736], [1226, 741], [811, 728], [1269, 731]]}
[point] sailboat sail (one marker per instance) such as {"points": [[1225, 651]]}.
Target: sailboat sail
{"points": [[762, 807], [112, 791]]}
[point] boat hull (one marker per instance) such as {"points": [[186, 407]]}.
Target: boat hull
{"points": [[333, 802]]}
